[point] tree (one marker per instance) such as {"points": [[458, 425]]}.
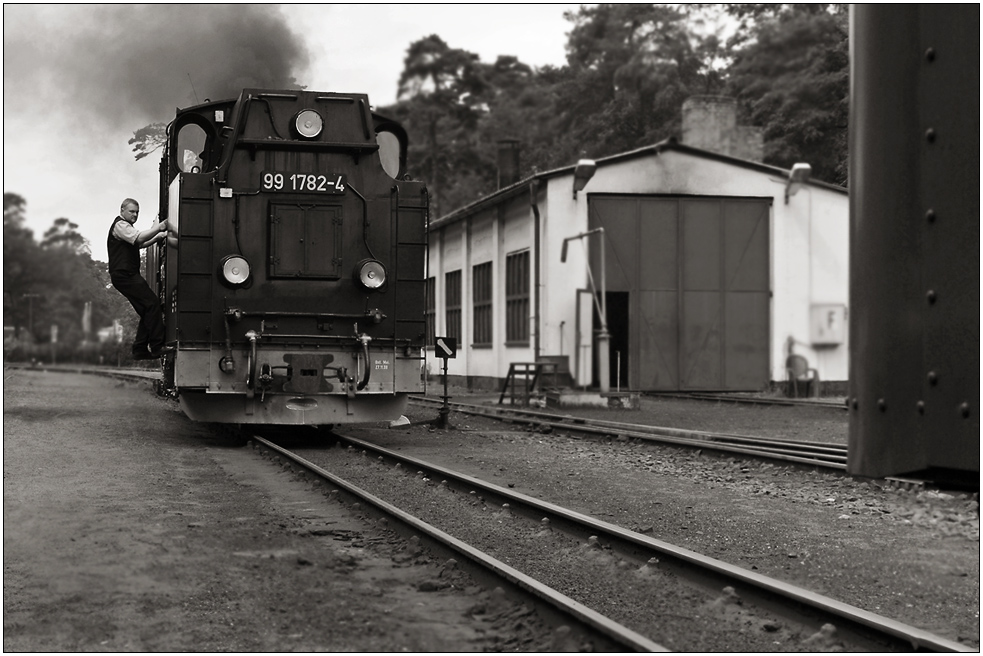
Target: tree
{"points": [[63, 234], [148, 139], [69, 278], [516, 106], [14, 206], [49, 283], [635, 65], [791, 77], [440, 90], [21, 269], [629, 70]]}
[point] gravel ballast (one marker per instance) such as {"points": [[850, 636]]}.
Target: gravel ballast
{"points": [[910, 555]]}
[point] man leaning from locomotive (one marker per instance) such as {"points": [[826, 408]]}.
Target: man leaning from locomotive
{"points": [[124, 244]]}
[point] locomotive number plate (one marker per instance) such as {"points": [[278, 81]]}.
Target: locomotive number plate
{"points": [[308, 183]]}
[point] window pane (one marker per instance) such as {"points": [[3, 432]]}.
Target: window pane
{"points": [[452, 303], [431, 310], [190, 146], [517, 297], [389, 152], [481, 281]]}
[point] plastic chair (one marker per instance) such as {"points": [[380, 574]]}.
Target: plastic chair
{"points": [[798, 372]]}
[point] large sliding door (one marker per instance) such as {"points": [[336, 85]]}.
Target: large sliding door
{"points": [[697, 274]]}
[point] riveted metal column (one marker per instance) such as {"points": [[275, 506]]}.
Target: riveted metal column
{"points": [[914, 239]]}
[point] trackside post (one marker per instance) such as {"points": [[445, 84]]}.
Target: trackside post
{"points": [[446, 348]]}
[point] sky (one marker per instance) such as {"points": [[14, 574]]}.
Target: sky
{"points": [[78, 80]]}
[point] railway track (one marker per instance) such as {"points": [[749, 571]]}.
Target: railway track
{"points": [[829, 456], [578, 624], [818, 454], [754, 400], [874, 632], [813, 614]]}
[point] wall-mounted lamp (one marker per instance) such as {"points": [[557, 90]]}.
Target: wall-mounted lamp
{"points": [[582, 174], [798, 176]]}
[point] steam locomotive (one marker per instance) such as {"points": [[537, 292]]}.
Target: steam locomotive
{"points": [[293, 276]]}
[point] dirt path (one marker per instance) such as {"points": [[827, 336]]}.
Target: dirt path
{"points": [[129, 528]]}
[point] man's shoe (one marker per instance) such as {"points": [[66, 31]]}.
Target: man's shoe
{"points": [[160, 352]]}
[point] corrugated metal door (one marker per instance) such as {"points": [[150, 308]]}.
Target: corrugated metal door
{"points": [[697, 273], [701, 307], [746, 294], [655, 301]]}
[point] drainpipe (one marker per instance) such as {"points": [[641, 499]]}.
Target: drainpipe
{"points": [[533, 192]]}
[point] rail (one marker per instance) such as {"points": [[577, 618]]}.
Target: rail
{"points": [[754, 400], [864, 629], [830, 456], [589, 621]]}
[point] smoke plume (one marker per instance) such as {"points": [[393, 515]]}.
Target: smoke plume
{"points": [[125, 65]]}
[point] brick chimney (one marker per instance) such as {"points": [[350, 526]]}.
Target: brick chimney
{"points": [[508, 162], [710, 123]]}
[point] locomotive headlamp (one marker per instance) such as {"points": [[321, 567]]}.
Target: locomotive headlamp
{"points": [[370, 273], [308, 123], [235, 269]]}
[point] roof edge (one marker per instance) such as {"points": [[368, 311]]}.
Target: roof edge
{"points": [[670, 144]]}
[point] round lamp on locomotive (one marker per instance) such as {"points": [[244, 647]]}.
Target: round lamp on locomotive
{"points": [[235, 270], [371, 274], [308, 124]]}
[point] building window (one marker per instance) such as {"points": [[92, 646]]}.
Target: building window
{"points": [[430, 313], [517, 298], [481, 280], [452, 304]]}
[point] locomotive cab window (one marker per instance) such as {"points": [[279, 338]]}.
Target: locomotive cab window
{"points": [[191, 144], [390, 150]]}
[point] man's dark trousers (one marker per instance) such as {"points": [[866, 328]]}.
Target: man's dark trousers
{"points": [[150, 332]]}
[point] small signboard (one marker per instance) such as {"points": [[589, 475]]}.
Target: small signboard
{"points": [[446, 348], [827, 324]]}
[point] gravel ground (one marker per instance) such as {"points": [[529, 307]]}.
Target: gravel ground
{"points": [[652, 602], [128, 528], [908, 555], [806, 423], [813, 424]]}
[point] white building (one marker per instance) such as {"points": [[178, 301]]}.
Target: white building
{"points": [[714, 265]]}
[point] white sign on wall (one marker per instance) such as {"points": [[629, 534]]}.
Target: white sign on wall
{"points": [[827, 324]]}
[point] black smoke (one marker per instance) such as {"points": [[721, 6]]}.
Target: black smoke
{"points": [[125, 66]]}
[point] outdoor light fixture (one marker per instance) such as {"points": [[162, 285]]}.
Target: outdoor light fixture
{"points": [[308, 123], [798, 176], [582, 174]]}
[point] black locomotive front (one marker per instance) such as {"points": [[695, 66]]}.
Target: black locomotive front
{"points": [[293, 277]]}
